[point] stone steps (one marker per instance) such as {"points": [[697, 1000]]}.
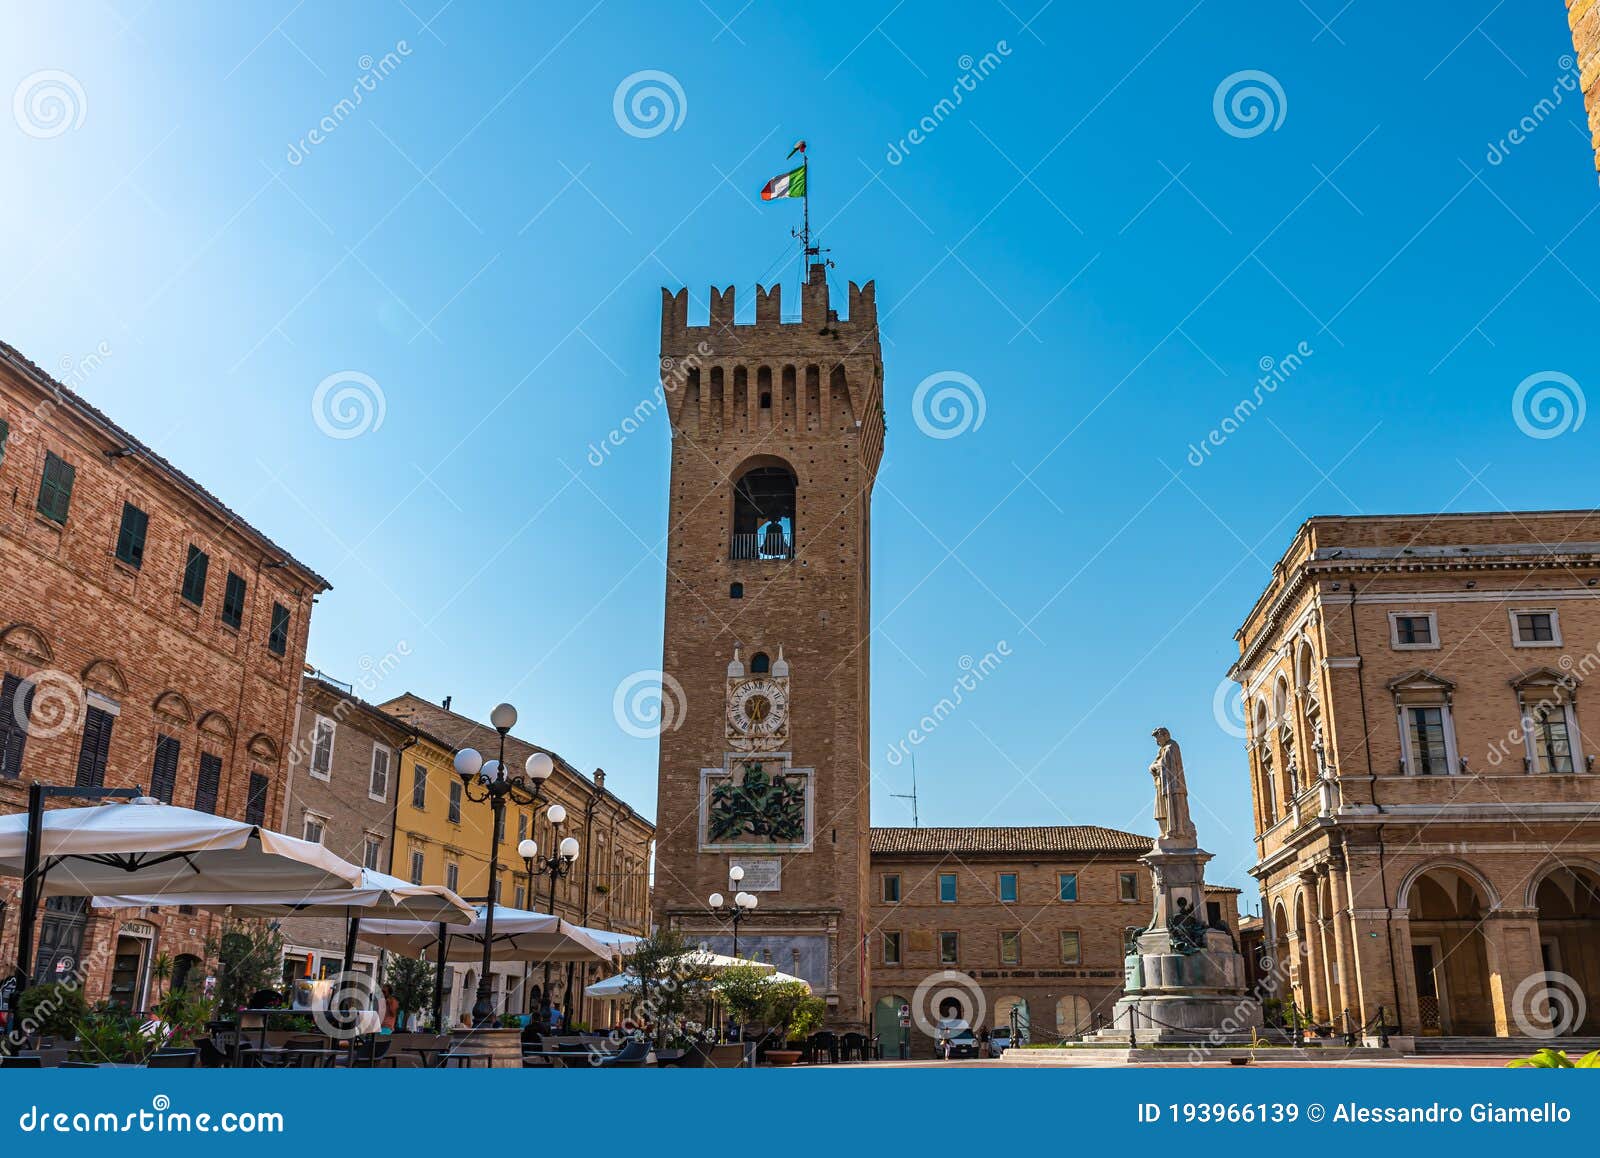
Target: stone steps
{"points": [[1575, 1047]]}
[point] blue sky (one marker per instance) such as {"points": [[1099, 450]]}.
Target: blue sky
{"points": [[1083, 237]]}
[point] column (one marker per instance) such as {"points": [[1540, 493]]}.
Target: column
{"points": [[1349, 989], [1511, 943], [1316, 1003]]}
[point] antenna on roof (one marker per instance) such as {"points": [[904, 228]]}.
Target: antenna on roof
{"points": [[912, 795]]}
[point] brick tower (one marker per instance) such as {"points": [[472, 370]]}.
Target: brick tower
{"points": [[777, 431]]}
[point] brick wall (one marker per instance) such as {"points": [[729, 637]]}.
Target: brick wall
{"points": [[1584, 16]]}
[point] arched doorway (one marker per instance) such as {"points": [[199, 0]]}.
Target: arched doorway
{"points": [[183, 971], [886, 1024], [1073, 1017], [764, 512], [1568, 900], [1449, 958]]}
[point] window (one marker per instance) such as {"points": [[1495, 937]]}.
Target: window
{"points": [[1010, 948], [255, 805], [452, 876], [1008, 887], [455, 802], [891, 888], [322, 748], [417, 862], [209, 783], [419, 786], [378, 785], [1071, 947], [947, 888], [1128, 886], [1413, 631], [1067, 886], [522, 827], [949, 948], [16, 705], [233, 601], [735, 590], [1552, 740], [95, 748], [891, 948], [314, 828], [1535, 629], [5, 433], [55, 488], [130, 536], [194, 575], [164, 769], [522, 897], [760, 664], [372, 856], [278, 634], [1429, 754]]}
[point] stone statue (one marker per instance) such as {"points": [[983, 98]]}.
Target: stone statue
{"points": [[1172, 794]]}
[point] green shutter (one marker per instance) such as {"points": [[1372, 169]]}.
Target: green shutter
{"points": [[55, 488], [131, 535], [194, 575]]}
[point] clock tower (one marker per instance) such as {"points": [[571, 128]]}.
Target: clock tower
{"points": [[777, 431]]}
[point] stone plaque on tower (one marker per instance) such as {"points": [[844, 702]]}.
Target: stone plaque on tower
{"points": [[777, 432]]}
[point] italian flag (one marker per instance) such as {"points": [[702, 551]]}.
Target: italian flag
{"points": [[790, 184]]}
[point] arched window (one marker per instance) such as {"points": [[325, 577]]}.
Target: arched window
{"points": [[764, 513], [760, 664]]}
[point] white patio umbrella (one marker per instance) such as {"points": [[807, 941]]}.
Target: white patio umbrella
{"points": [[147, 848], [627, 983], [519, 935], [376, 895]]}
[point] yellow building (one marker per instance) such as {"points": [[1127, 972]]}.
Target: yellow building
{"points": [[443, 837]]}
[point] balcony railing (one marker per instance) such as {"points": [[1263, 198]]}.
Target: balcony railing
{"points": [[759, 546]]}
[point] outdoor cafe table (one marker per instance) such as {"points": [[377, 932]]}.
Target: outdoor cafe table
{"points": [[468, 1057]]}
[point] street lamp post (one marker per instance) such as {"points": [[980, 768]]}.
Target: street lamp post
{"points": [[489, 781], [555, 866], [736, 910]]}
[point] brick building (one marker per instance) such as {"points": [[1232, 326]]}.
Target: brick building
{"points": [[150, 637], [777, 431], [344, 771], [1584, 17], [1423, 770], [443, 837], [976, 922]]}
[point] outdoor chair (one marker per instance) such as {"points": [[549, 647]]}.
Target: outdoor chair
{"points": [[631, 1056], [371, 1052], [853, 1047], [211, 1057], [822, 1048], [173, 1059], [22, 1061]]}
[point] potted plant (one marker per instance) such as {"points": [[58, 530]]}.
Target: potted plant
{"points": [[794, 1014]]}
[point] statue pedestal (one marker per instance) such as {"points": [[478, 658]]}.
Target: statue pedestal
{"points": [[1184, 981]]}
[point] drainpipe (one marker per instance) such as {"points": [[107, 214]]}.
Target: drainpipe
{"points": [[1372, 782], [394, 810]]}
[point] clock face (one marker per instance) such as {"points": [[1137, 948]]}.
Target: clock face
{"points": [[758, 709]]}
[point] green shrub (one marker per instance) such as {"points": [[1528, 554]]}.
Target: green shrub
{"points": [[54, 1009]]}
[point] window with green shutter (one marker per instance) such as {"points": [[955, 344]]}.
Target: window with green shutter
{"points": [[55, 488], [233, 601], [130, 537], [278, 635], [194, 575]]}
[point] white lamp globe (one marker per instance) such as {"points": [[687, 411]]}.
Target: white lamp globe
{"points": [[539, 766], [468, 762], [527, 849], [504, 717], [556, 814], [492, 771], [736, 873], [569, 848], [749, 900], [715, 900]]}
